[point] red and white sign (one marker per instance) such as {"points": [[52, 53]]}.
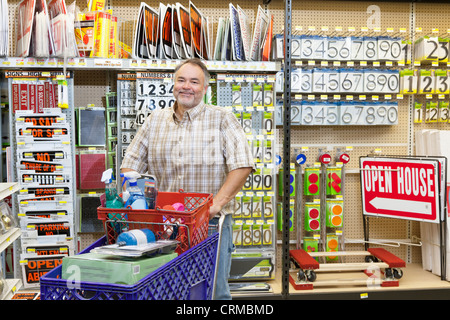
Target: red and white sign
{"points": [[401, 188]]}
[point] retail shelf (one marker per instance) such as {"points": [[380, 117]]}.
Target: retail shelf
{"points": [[416, 283], [12, 285], [9, 237], [8, 188], [131, 64]]}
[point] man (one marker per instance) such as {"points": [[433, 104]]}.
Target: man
{"points": [[197, 148]]}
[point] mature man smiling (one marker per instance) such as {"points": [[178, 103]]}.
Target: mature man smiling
{"points": [[198, 148]]}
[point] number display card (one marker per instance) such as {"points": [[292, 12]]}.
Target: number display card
{"points": [[341, 81], [352, 48], [321, 113]]}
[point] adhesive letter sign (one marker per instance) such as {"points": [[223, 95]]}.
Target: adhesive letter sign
{"points": [[401, 188]]}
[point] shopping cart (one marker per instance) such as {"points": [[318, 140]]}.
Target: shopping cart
{"points": [[190, 276]]}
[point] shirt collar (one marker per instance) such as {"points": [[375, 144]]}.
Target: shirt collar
{"points": [[191, 114]]}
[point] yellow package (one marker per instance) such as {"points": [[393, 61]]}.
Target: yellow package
{"points": [[101, 35], [113, 46]]}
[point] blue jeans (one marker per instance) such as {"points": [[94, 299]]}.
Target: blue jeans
{"points": [[226, 248]]}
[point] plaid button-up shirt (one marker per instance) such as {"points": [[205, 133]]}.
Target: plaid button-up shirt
{"points": [[194, 154]]}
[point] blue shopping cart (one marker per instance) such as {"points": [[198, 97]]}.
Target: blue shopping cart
{"points": [[190, 276]]}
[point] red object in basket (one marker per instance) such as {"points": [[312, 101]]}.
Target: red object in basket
{"points": [[191, 225]]}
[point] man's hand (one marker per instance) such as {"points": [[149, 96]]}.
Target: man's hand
{"points": [[233, 184], [214, 210]]}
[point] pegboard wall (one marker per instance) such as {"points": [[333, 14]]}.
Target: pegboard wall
{"points": [[334, 18]]}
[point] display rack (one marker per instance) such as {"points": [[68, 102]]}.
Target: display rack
{"points": [[44, 169], [10, 285]]}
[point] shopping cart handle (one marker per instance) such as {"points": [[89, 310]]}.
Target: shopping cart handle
{"points": [[220, 224], [221, 219]]}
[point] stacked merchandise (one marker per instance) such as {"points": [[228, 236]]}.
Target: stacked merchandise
{"points": [[44, 169], [177, 32], [251, 97], [96, 33], [433, 143], [52, 29], [4, 28], [44, 29], [111, 122]]}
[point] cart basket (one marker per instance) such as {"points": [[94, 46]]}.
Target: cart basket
{"points": [[193, 222], [190, 276]]}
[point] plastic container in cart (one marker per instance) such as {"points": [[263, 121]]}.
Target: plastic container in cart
{"points": [[189, 227], [190, 276]]}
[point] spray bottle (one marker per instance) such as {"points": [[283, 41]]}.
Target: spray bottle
{"points": [[112, 198], [136, 198]]}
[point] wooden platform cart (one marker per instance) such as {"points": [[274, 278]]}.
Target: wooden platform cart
{"points": [[381, 267]]}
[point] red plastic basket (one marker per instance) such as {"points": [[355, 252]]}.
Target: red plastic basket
{"points": [[189, 226]]}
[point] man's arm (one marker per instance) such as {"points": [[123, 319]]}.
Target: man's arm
{"points": [[233, 184]]}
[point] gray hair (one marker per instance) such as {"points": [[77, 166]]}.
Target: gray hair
{"points": [[197, 62]]}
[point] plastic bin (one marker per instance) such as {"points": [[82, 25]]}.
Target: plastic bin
{"points": [[191, 225], [190, 276]]}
